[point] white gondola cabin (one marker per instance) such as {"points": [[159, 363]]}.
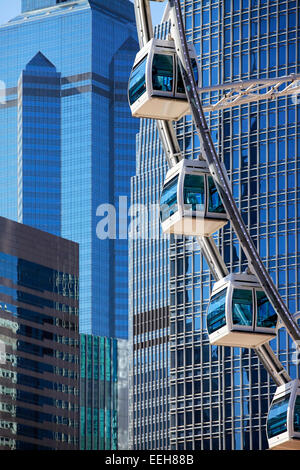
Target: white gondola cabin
{"points": [[156, 88], [283, 423], [239, 313], [190, 203]]}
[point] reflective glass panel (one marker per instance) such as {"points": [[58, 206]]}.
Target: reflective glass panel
{"points": [[214, 201], [168, 200], [297, 415], [216, 312], [180, 85], [162, 72], [193, 193], [277, 419], [137, 82], [266, 316], [242, 307]]}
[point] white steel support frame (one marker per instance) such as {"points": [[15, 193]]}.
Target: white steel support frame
{"points": [[239, 93], [248, 91]]}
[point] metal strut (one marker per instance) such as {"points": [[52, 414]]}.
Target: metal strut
{"points": [[253, 90], [173, 154]]}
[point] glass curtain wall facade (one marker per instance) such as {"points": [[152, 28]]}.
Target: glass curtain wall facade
{"points": [[149, 296], [39, 165], [67, 106], [104, 393], [219, 397], [39, 337]]}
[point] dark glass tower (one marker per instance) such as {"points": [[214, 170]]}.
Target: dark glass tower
{"points": [[39, 336]]}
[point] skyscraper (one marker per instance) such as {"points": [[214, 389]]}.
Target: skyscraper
{"points": [[219, 396], [67, 139], [39, 334], [104, 393], [149, 298]]}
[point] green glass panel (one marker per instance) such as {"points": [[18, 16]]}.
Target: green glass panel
{"points": [[115, 361], [102, 356], [82, 356], [107, 359], [102, 430], [89, 357], [89, 429], [82, 428], [114, 443], [107, 429]]}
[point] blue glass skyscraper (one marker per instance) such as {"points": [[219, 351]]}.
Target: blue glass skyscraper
{"points": [[67, 139]]}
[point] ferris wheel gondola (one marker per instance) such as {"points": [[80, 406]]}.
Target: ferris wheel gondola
{"points": [[239, 313], [190, 204], [283, 423], [156, 88]]}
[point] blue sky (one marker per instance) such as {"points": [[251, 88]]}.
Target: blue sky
{"points": [[10, 8]]}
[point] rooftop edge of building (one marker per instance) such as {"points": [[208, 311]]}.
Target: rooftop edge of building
{"points": [[28, 242], [123, 8]]}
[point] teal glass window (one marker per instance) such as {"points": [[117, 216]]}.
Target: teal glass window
{"points": [[266, 316], [242, 307], [216, 317], [168, 200], [214, 201], [277, 419], [162, 72], [297, 414], [137, 82], [194, 193]]}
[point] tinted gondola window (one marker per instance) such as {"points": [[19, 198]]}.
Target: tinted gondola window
{"points": [[242, 307], [297, 415], [277, 419], [216, 317], [162, 72], [193, 193], [180, 85], [214, 201], [137, 82], [168, 200], [266, 315]]}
